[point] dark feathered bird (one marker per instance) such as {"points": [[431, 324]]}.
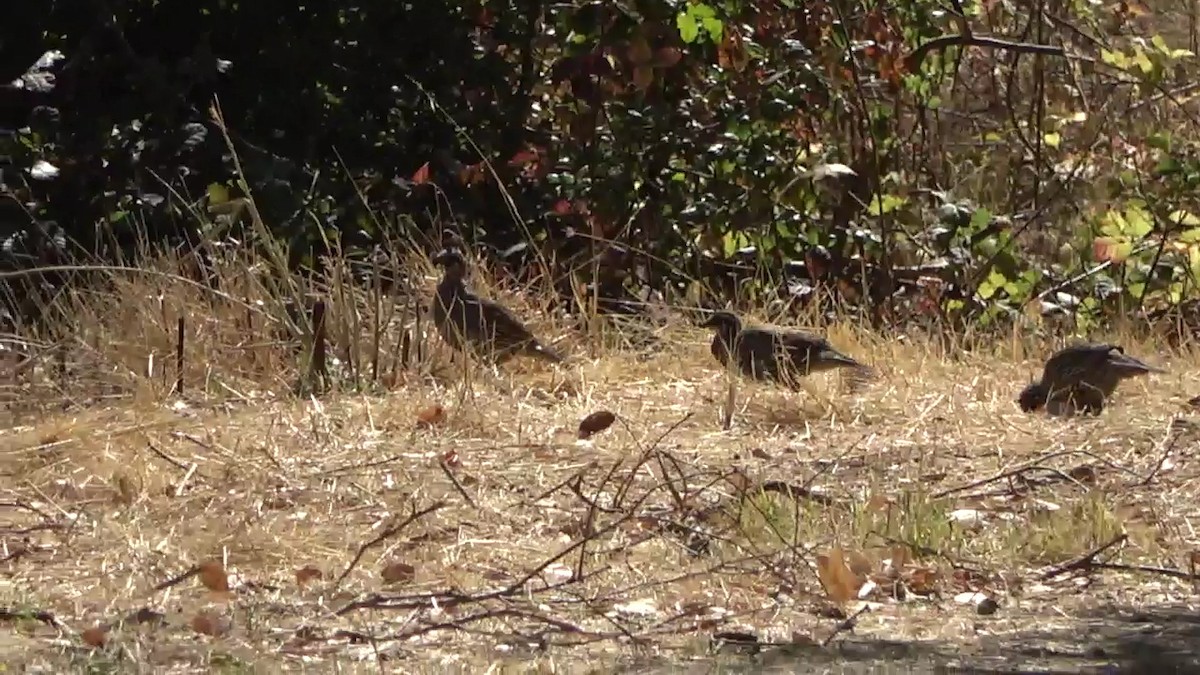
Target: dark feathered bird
{"points": [[1080, 378], [775, 355], [488, 328]]}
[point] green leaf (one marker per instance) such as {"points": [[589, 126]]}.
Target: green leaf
{"points": [[1160, 140], [1143, 62], [980, 220], [715, 27], [1112, 58], [1138, 223], [689, 30], [217, 193], [1112, 224], [1052, 139], [994, 282], [1181, 217], [885, 204]]}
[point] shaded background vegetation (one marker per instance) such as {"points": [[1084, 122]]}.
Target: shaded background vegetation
{"points": [[965, 164]]}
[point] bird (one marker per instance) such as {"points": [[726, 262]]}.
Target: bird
{"points": [[466, 320], [776, 355], [1080, 378]]}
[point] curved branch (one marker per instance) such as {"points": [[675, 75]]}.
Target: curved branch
{"points": [[913, 61]]}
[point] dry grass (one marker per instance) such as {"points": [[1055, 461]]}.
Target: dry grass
{"points": [[544, 551]]}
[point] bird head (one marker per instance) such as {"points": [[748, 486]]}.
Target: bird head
{"points": [[451, 239], [723, 321], [452, 260], [1032, 397]]}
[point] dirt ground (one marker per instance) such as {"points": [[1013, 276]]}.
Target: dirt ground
{"points": [[456, 520]]}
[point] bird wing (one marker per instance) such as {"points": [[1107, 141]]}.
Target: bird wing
{"points": [[758, 353], [500, 324], [1098, 368], [805, 348], [1068, 366]]}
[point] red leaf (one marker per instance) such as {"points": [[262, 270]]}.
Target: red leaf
{"points": [[562, 207], [524, 157], [421, 176], [472, 174], [1105, 249]]}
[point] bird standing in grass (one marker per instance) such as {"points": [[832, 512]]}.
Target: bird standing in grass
{"points": [[775, 355], [1080, 378], [466, 320]]}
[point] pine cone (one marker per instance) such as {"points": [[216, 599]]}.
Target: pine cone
{"points": [[1081, 378], [488, 328], [774, 355]]}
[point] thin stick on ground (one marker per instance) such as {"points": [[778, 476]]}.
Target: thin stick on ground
{"points": [[384, 536], [1085, 561]]}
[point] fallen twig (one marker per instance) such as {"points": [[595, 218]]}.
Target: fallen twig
{"points": [[1085, 561], [846, 624], [385, 535], [457, 485], [1168, 444]]}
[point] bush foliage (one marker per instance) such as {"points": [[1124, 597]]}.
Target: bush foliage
{"points": [[952, 164]]}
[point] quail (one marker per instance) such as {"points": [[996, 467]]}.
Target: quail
{"points": [[775, 355], [466, 320], [1080, 378]]}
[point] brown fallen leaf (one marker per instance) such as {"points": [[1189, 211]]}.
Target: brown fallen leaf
{"points": [[210, 623], [431, 416], [307, 574], [214, 577], [95, 636], [840, 583], [398, 572], [595, 423]]}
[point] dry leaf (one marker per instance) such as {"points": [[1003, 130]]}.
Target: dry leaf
{"points": [[398, 572], [213, 576], [643, 77], [595, 423], [739, 481], [421, 176], [667, 57], [922, 579], [639, 50], [859, 564], [1084, 473], [306, 574], [209, 623], [95, 636], [839, 582], [451, 459], [431, 416]]}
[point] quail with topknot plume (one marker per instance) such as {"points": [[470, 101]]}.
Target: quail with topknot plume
{"points": [[773, 354], [1080, 378], [466, 320]]}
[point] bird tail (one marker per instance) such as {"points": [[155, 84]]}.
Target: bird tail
{"points": [[1129, 365]]}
